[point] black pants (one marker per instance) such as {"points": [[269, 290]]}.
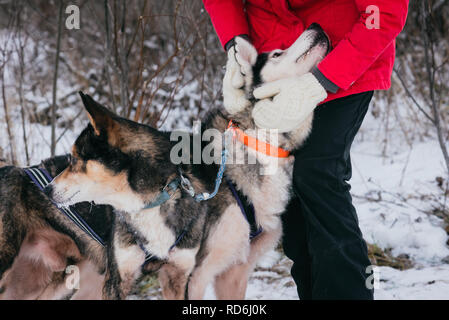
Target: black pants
{"points": [[321, 231]]}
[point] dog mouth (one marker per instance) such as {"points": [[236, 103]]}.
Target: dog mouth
{"points": [[320, 41], [320, 35], [305, 54], [315, 47]]}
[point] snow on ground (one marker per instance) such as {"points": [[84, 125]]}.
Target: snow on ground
{"points": [[423, 283], [270, 281], [396, 221], [429, 283], [402, 188], [400, 220]]}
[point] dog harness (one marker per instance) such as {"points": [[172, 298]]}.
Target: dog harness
{"points": [[182, 181], [41, 179], [246, 208], [164, 196], [247, 211]]}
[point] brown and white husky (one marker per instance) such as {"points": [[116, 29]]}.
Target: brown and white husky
{"points": [[127, 165]]}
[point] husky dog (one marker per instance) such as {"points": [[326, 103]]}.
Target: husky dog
{"points": [[37, 242], [127, 165], [269, 193]]}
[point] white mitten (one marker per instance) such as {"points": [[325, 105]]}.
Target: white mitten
{"points": [[240, 58], [293, 101]]}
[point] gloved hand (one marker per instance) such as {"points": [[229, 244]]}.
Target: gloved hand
{"points": [[294, 99], [238, 64]]}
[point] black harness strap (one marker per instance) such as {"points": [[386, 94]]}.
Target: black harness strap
{"points": [[41, 179], [247, 211]]}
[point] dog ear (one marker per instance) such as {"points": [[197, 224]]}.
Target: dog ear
{"points": [[100, 117], [246, 54]]}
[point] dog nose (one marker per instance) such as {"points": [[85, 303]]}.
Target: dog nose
{"points": [[315, 26], [48, 190], [322, 37]]}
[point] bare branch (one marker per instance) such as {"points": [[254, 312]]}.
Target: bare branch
{"points": [[411, 96], [55, 80]]}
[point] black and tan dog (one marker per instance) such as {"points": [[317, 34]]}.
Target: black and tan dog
{"points": [[127, 165], [38, 242], [119, 162]]}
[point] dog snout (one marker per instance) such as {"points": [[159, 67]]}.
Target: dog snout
{"points": [[321, 36], [315, 26]]}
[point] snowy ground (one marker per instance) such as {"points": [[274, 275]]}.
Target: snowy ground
{"points": [[401, 185], [401, 220]]}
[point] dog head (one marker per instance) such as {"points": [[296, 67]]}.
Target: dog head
{"points": [[114, 161], [305, 53], [257, 69]]}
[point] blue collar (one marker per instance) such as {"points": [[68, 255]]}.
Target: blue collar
{"points": [[164, 195]]}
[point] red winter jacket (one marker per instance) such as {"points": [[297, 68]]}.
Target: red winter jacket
{"points": [[362, 58]]}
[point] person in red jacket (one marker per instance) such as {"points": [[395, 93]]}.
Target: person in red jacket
{"points": [[321, 231]]}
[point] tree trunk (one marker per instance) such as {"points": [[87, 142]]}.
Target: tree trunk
{"points": [[9, 128], [431, 68], [55, 81]]}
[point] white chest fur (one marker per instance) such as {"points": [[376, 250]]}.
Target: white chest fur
{"points": [[151, 225], [270, 192]]}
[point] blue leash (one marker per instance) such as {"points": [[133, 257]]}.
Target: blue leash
{"points": [[164, 196], [186, 185]]}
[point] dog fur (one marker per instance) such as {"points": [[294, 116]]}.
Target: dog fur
{"points": [[37, 242]]}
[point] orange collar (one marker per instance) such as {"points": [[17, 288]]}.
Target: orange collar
{"points": [[256, 144]]}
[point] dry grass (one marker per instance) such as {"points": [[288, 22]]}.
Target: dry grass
{"points": [[384, 258]]}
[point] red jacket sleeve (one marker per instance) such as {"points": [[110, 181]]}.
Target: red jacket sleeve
{"points": [[361, 47], [228, 18]]}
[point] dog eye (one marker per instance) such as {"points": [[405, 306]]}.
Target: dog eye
{"points": [[277, 54]]}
